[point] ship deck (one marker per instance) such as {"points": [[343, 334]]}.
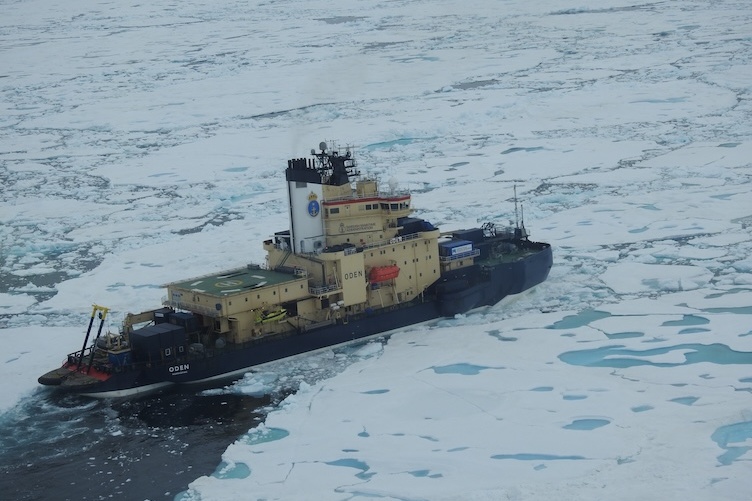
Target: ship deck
{"points": [[513, 256], [233, 281]]}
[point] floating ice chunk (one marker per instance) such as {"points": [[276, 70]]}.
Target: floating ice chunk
{"points": [[30, 287], [15, 303], [742, 279], [33, 271], [232, 470], [263, 434], [254, 383], [369, 350], [630, 278]]}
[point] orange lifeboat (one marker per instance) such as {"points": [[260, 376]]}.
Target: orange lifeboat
{"points": [[383, 273]]}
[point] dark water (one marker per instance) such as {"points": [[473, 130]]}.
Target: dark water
{"points": [[56, 447]]}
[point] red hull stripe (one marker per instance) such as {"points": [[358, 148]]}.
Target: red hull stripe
{"points": [[93, 372]]}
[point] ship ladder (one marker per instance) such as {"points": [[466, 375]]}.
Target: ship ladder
{"points": [[284, 259]]}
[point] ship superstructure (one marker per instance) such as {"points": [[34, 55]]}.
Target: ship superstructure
{"points": [[350, 249]]}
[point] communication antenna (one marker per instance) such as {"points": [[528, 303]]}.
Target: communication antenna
{"points": [[516, 217]]}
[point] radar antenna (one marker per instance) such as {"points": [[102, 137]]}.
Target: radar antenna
{"points": [[335, 168]]}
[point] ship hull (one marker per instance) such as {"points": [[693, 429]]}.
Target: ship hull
{"points": [[486, 287], [503, 279]]}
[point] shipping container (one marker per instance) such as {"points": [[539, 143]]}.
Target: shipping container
{"points": [[188, 321], [454, 247], [157, 341], [162, 315]]}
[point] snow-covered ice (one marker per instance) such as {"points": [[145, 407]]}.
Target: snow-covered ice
{"points": [[145, 143]]}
